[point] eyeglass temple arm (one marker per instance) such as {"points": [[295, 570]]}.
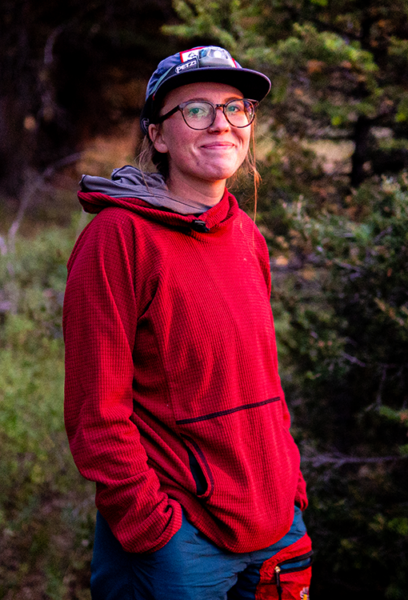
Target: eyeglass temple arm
{"points": [[168, 114]]}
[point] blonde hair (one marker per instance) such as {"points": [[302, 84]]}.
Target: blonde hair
{"points": [[149, 159]]}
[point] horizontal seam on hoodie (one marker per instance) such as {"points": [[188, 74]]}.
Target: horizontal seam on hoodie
{"points": [[229, 411]]}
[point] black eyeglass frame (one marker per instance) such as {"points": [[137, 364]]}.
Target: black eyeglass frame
{"points": [[182, 106]]}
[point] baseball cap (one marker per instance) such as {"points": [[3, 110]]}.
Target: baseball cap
{"points": [[205, 63]]}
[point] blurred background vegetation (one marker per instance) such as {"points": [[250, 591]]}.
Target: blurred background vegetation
{"points": [[332, 148]]}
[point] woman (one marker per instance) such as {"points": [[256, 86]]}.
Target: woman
{"points": [[173, 401]]}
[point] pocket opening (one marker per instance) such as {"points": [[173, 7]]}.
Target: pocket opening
{"points": [[197, 473], [296, 559], [200, 470]]}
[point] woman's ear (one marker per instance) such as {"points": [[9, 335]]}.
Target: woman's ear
{"points": [[156, 135]]}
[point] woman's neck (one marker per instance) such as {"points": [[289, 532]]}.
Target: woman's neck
{"points": [[197, 192]]}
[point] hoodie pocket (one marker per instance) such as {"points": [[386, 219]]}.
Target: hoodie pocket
{"points": [[200, 469]]}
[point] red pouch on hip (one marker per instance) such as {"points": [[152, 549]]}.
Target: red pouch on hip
{"points": [[287, 575]]}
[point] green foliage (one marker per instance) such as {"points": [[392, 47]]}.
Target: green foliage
{"points": [[45, 517], [346, 374], [333, 66], [214, 20], [402, 111]]}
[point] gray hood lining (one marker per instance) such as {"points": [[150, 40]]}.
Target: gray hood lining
{"points": [[130, 182]]}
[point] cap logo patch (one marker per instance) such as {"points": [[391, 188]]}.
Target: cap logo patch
{"points": [[190, 54], [188, 65]]}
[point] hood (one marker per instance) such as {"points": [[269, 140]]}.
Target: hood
{"points": [[148, 195]]}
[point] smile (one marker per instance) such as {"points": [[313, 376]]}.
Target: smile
{"points": [[218, 146]]}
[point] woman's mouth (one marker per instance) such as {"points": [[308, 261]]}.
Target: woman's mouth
{"points": [[218, 146]]}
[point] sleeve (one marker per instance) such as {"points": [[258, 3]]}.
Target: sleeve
{"points": [[100, 318]]}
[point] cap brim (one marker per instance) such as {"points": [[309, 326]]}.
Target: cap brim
{"points": [[252, 84]]}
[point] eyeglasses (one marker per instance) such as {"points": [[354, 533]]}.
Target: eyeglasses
{"points": [[200, 114]]}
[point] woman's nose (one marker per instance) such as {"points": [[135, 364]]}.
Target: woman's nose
{"points": [[220, 121]]}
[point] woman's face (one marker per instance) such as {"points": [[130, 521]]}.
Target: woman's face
{"points": [[200, 156]]}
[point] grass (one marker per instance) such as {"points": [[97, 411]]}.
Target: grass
{"points": [[46, 508]]}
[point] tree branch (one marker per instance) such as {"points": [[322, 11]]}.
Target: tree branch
{"points": [[30, 188], [353, 360], [49, 45], [3, 246], [382, 234], [338, 461]]}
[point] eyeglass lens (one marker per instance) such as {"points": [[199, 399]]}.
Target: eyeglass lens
{"points": [[201, 114]]}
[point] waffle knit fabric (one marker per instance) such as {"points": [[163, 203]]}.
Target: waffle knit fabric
{"points": [[171, 363]]}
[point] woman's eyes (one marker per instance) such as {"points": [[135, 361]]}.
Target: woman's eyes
{"points": [[235, 108], [197, 111], [204, 110]]}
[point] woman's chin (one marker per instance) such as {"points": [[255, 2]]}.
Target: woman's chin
{"points": [[220, 172]]}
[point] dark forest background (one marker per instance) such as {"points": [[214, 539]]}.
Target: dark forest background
{"points": [[332, 149]]}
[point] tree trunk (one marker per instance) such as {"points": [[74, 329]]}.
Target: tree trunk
{"points": [[361, 140]]}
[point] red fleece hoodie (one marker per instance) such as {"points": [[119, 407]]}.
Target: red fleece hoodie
{"points": [[173, 398]]}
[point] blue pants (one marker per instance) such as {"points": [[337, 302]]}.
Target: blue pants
{"points": [[191, 567]]}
